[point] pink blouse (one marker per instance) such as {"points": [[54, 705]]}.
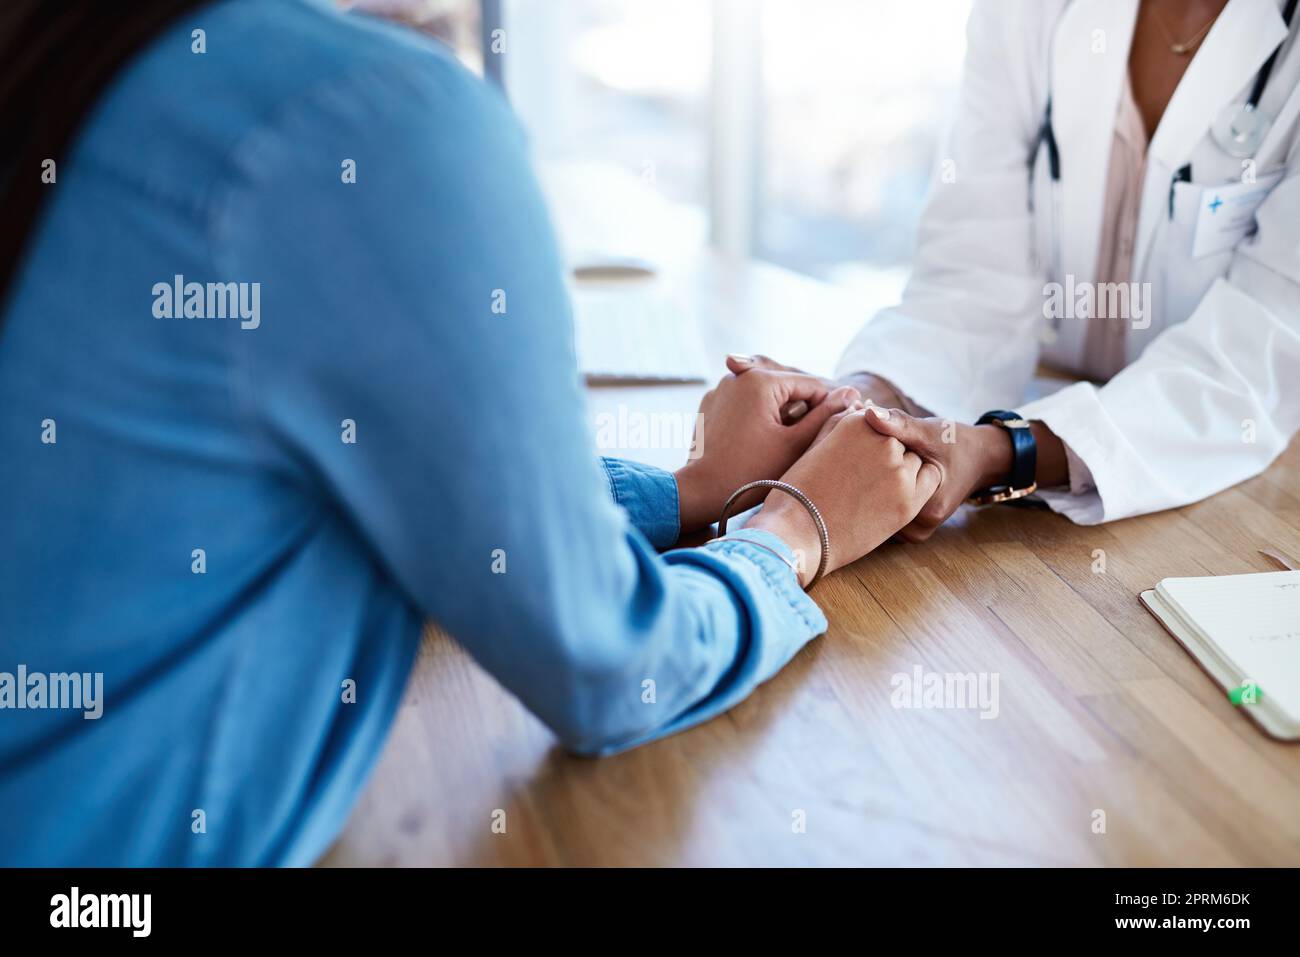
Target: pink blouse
{"points": [[1104, 351]]}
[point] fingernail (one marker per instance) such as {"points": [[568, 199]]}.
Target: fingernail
{"points": [[796, 410], [743, 360], [882, 414]]}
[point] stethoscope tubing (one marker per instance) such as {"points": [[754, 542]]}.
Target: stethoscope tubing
{"points": [[1046, 139], [1047, 135]]}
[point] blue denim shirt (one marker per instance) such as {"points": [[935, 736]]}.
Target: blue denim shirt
{"points": [[242, 523]]}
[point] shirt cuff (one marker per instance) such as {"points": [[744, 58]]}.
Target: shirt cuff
{"points": [[778, 571], [1072, 416], [649, 496], [1080, 475]]}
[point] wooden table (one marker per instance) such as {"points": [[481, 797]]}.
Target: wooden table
{"points": [[1102, 718]]}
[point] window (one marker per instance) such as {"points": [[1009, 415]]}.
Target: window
{"points": [[799, 131], [615, 97], [855, 97]]}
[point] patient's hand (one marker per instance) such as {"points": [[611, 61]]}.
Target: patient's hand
{"points": [[866, 485], [741, 436], [968, 457]]}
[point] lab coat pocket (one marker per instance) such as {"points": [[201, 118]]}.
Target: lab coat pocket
{"points": [[1186, 278]]}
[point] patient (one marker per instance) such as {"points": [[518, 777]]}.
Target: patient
{"points": [[241, 523]]}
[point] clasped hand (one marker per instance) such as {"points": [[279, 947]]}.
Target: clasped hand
{"points": [[872, 472]]}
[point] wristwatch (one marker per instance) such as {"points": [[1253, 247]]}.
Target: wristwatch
{"points": [[1024, 463]]}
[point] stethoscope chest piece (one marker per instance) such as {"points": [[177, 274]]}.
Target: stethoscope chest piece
{"points": [[1240, 129]]}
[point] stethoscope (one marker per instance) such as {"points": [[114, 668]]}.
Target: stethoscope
{"points": [[1239, 131], [1241, 127]]}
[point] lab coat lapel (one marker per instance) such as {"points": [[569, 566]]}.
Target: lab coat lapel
{"points": [[1090, 57], [1245, 33]]}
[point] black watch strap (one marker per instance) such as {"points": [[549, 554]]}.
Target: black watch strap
{"points": [[1024, 449]]}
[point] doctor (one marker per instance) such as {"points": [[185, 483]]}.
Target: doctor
{"points": [[1120, 200]]}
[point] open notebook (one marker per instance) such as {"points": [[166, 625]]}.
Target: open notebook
{"points": [[1245, 631]]}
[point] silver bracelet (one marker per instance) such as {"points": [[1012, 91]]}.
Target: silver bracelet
{"points": [[804, 500]]}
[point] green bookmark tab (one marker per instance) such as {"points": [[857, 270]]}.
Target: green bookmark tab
{"points": [[1246, 694]]}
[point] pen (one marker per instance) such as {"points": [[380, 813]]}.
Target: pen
{"points": [[1280, 558], [1184, 175]]}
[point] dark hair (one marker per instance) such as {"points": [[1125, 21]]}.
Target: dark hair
{"points": [[59, 56]]}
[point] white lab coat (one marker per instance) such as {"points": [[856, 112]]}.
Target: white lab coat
{"points": [[1211, 393]]}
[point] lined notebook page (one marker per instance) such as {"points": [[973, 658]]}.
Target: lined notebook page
{"points": [[1254, 620]]}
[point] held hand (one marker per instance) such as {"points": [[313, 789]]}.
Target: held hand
{"points": [[793, 410], [877, 391], [741, 436], [866, 485], [968, 457], [871, 388]]}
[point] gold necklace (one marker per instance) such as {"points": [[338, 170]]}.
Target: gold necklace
{"points": [[1185, 47]]}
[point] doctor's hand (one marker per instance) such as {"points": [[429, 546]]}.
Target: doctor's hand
{"points": [[871, 388], [741, 436], [968, 457], [866, 486]]}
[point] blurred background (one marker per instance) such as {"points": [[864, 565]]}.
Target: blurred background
{"points": [[801, 132]]}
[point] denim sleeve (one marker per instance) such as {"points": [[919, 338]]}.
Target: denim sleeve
{"points": [[649, 496], [425, 304]]}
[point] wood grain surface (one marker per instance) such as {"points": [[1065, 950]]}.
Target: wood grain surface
{"points": [[1102, 718]]}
